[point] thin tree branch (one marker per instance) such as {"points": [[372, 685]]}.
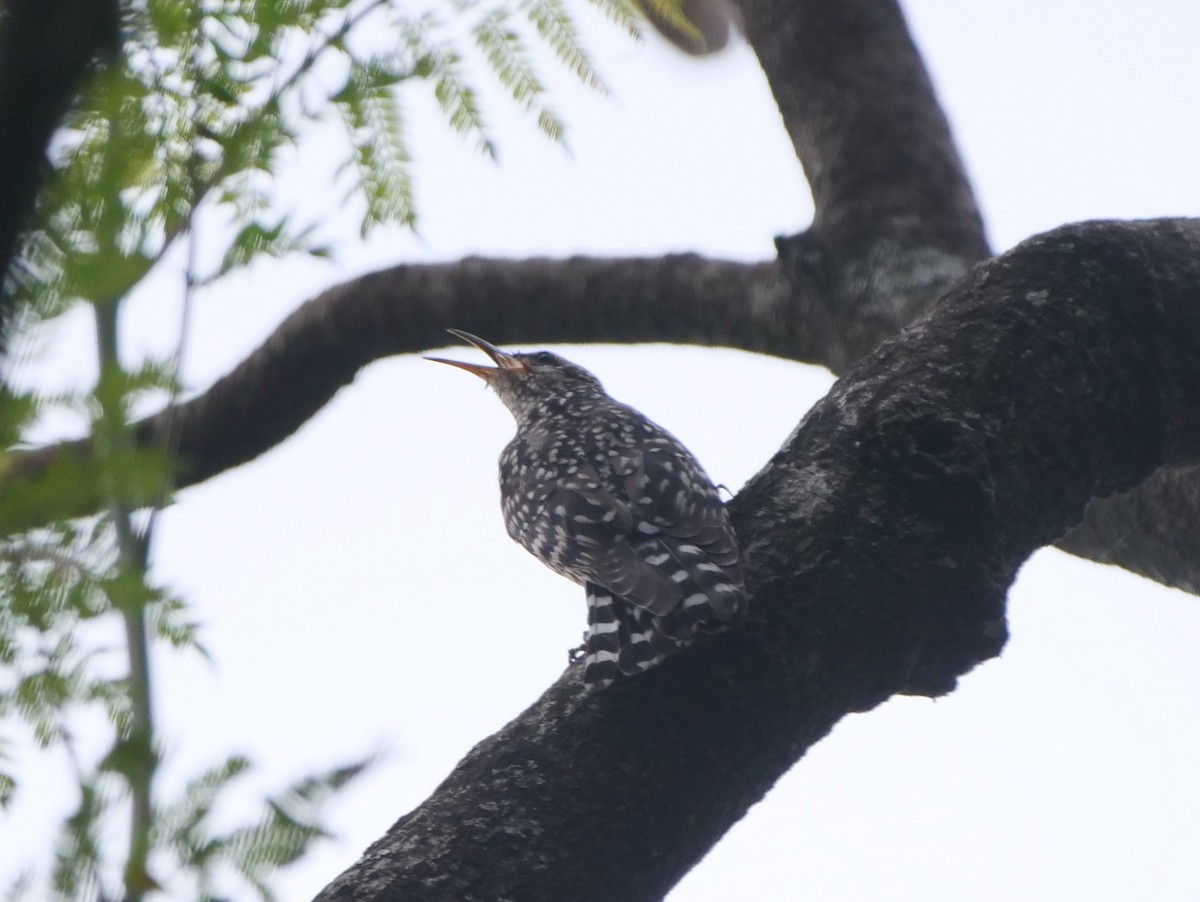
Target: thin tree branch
{"points": [[879, 544]]}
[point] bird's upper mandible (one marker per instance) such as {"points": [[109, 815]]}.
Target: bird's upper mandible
{"points": [[526, 381]]}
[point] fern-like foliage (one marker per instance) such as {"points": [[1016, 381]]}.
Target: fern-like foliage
{"points": [[555, 27], [290, 823], [208, 95]]}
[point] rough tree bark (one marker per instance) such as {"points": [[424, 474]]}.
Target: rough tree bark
{"points": [[1051, 387]]}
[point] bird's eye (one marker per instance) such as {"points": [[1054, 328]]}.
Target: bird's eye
{"points": [[543, 357]]}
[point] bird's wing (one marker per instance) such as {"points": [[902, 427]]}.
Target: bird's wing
{"points": [[681, 521], [590, 532]]}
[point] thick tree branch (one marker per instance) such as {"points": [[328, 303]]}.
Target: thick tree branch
{"points": [[879, 544], [858, 104], [896, 222]]}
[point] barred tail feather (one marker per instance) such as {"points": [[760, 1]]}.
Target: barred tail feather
{"points": [[602, 645], [726, 598], [643, 642], [624, 639], [629, 634]]}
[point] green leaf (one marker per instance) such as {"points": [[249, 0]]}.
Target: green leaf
{"points": [[8, 789], [106, 277], [669, 16], [78, 856], [554, 25], [256, 239], [292, 823], [375, 125], [623, 12], [458, 100], [170, 618]]}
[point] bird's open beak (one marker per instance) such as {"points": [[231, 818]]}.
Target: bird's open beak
{"points": [[503, 361]]}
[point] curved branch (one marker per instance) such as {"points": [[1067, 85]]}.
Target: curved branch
{"points": [[858, 104], [879, 544], [323, 345], [896, 222]]}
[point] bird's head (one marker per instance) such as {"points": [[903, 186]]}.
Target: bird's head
{"points": [[526, 381]]}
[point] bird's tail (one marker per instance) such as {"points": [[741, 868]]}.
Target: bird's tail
{"points": [[624, 639]]}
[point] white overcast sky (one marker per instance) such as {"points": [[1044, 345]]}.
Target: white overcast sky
{"points": [[357, 587]]}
